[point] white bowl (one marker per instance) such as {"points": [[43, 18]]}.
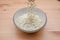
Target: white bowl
{"points": [[36, 10]]}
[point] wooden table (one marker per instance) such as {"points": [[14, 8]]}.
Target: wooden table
{"points": [[8, 30]]}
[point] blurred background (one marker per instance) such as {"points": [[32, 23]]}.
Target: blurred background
{"points": [[8, 30]]}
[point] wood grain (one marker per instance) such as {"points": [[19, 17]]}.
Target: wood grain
{"points": [[8, 30]]}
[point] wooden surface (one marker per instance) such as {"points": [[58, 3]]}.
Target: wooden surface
{"points": [[8, 30]]}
